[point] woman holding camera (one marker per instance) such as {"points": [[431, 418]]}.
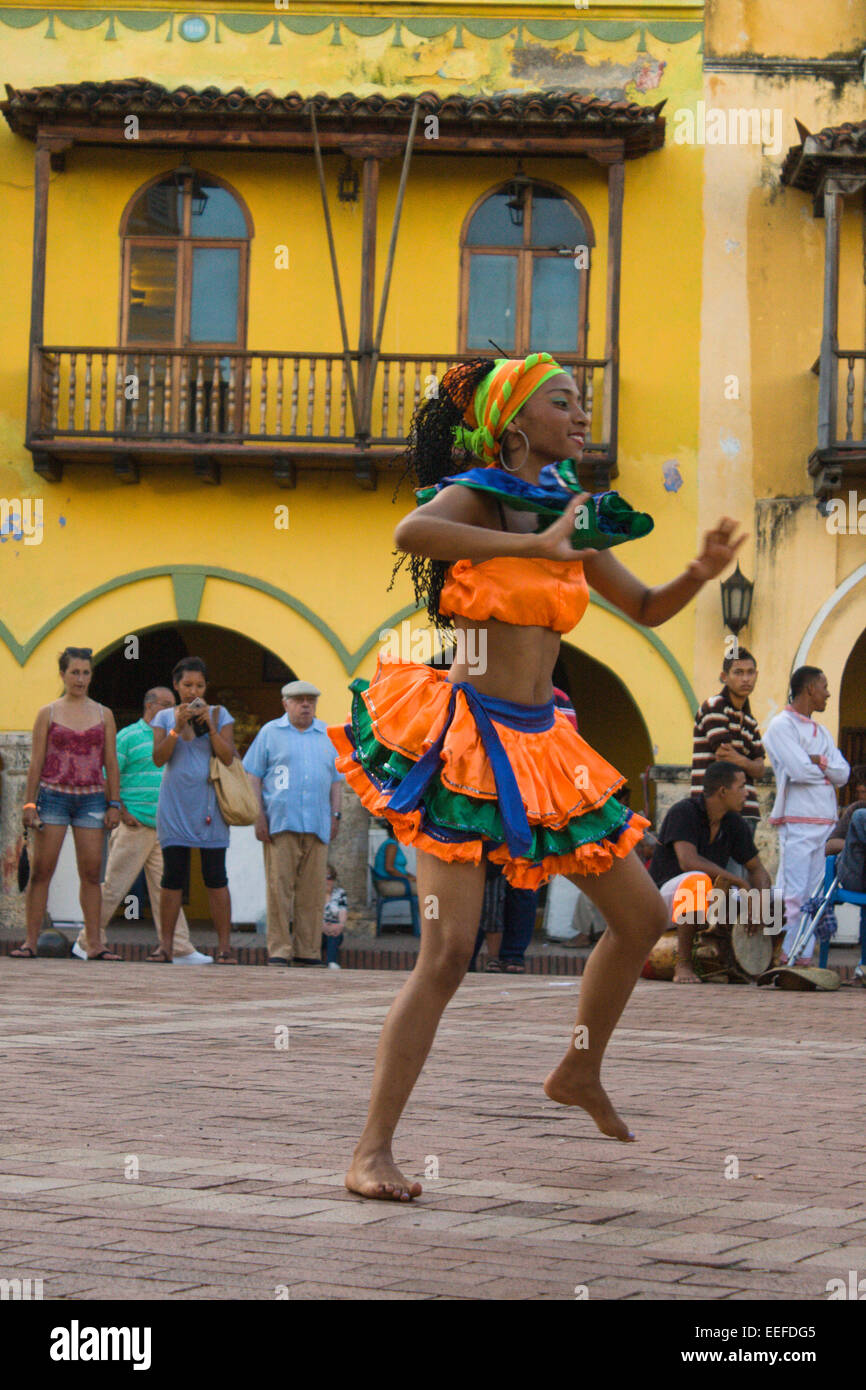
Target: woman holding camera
{"points": [[73, 740], [188, 815]]}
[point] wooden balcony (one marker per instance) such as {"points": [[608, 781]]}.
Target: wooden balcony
{"points": [[130, 407], [840, 459]]}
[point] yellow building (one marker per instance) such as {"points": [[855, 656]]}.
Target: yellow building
{"points": [[782, 408], [196, 457]]}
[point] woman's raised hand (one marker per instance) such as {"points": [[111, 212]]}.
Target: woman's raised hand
{"points": [[718, 550], [555, 542], [182, 716]]}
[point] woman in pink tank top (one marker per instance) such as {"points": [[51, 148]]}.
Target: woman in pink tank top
{"points": [[73, 741]]}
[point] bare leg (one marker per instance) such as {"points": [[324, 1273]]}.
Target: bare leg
{"points": [[493, 940], [88, 855], [407, 1036], [683, 972], [636, 918], [221, 914], [169, 911], [44, 848]]}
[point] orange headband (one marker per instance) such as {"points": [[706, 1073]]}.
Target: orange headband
{"points": [[498, 398]]}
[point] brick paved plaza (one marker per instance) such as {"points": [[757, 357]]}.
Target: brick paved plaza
{"points": [[241, 1144]]}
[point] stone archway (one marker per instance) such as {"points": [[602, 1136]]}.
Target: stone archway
{"points": [[608, 716], [834, 640], [852, 706], [243, 674]]}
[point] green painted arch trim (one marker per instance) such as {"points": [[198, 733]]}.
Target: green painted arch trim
{"points": [[145, 21], [189, 579], [188, 575], [664, 651]]}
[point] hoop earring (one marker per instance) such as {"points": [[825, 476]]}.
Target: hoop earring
{"points": [[516, 469]]}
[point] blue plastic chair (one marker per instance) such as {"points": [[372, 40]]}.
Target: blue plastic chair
{"points": [[406, 895], [834, 893]]}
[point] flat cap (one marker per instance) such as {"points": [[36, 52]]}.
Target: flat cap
{"points": [[296, 688]]}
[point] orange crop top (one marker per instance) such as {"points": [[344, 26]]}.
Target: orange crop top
{"points": [[528, 593]]}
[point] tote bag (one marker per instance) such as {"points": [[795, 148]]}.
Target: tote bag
{"points": [[235, 796]]}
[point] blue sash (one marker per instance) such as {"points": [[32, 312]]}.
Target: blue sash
{"points": [[531, 719]]}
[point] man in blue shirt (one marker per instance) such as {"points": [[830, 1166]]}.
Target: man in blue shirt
{"points": [[291, 765]]}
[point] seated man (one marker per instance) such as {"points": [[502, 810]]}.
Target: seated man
{"points": [[848, 837], [848, 841], [698, 838]]}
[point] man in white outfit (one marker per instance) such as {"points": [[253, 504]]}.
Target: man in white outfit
{"points": [[808, 768]]}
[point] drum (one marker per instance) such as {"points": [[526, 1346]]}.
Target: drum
{"points": [[718, 955], [662, 958], [753, 954]]}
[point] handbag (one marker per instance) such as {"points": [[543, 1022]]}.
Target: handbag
{"points": [[235, 796], [23, 866]]}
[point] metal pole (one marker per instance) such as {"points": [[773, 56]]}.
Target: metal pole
{"points": [[336, 273], [404, 174]]}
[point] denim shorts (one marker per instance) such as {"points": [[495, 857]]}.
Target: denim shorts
{"points": [[85, 810]]}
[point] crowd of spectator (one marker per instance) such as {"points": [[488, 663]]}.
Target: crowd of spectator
{"points": [[150, 789]]}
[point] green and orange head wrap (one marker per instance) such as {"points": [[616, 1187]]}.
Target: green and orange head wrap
{"points": [[497, 399]]}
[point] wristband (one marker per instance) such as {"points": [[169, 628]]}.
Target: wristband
{"points": [[29, 806], [172, 733], [115, 804]]}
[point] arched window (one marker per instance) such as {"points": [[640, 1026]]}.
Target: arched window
{"points": [[185, 258], [185, 255], [525, 279]]}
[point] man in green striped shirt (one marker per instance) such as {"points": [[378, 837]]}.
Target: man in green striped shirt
{"points": [[133, 844]]}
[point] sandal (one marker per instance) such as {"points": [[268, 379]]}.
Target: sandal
{"points": [[105, 955], [493, 966], [159, 957], [225, 958], [23, 952], [513, 967]]}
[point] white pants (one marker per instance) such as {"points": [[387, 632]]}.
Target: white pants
{"points": [[801, 871]]}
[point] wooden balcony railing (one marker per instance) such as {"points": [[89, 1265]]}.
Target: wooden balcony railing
{"points": [[156, 401], [840, 456]]}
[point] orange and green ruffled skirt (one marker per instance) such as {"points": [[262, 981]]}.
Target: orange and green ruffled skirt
{"points": [[459, 775]]}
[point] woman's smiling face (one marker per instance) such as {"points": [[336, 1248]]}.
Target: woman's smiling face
{"points": [[553, 421]]}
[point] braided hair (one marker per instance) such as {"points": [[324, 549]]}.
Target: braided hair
{"points": [[432, 455]]}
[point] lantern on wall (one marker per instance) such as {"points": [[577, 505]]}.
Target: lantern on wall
{"points": [[198, 196], [517, 190], [348, 183], [737, 593]]}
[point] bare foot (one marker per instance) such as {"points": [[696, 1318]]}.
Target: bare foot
{"points": [[566, 1088], [684, 975], [378, 1176]]}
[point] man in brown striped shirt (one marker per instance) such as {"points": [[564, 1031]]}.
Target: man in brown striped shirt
{"points": [[726, 730]]}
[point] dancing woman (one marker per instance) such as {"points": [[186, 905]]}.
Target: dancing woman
{"points": [[475, 762]]}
